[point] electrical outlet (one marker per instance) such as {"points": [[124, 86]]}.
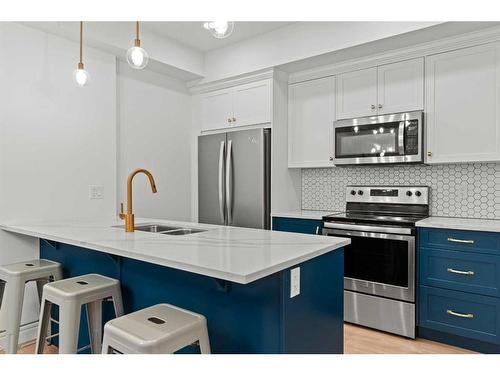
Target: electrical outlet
{"points": [[294, 282], [96, 191]]}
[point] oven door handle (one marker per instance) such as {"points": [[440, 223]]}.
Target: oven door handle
{"points": [[368, 228], [388, 236]]}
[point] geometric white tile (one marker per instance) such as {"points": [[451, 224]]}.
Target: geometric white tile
{"points": [[458, 190]]}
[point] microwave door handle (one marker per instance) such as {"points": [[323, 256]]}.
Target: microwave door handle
{"points": [[401, 138]]}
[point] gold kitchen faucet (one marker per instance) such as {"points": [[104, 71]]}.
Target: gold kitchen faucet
{"points": [[129, 216]]}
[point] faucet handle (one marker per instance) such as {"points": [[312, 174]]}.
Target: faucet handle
{"points": [[122, 214]]}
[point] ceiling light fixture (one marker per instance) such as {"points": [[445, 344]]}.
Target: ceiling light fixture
{"points": [[137, 57], [80, 75], [219, 29]]}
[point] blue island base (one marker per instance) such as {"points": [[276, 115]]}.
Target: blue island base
{"points": [[259, 317]]}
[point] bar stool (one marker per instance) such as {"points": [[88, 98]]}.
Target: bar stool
{"points": [[70, 295], [13, 279], [159, 329]]}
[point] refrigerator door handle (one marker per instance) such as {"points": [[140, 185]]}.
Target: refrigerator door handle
{"points": [[229, 182], [221, 182]]}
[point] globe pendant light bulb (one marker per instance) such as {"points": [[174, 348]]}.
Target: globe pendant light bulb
{"points": [[137, 57], [219, 29], [81, 77]]}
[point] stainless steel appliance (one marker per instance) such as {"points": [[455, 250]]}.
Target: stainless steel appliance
{"points": [[234, 178], [379, 264], [396, 138]]}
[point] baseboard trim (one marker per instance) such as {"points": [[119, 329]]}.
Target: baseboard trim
{"points": [[462, 342], [27, 333]]}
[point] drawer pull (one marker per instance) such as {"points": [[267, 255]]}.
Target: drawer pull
{"points": [[465, 273], [450, 239], [467, 316]]}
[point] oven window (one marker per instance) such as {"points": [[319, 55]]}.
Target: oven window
{"points": [[368, 140], [378, 260]]}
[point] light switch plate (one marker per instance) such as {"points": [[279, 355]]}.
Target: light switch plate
{"points": [[294, 282], [96, 191]]}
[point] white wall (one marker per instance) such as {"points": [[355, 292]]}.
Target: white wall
{"points": [[155, 133], [55, 139], [298, 41]]}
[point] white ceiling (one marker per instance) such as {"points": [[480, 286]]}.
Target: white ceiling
{"points": [[194, 35]]}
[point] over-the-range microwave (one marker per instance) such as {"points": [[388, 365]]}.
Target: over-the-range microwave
{"points": [[387, 139]]}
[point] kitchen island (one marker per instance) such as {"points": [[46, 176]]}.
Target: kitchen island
{"points": [[239, 278]]}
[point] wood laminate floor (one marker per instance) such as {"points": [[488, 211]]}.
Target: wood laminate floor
{"points": [[357, 340]]}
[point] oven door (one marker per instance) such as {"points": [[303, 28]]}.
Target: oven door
{"points": [[381, 264], [382, 139]]}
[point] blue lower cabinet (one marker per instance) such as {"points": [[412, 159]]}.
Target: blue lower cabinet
{"points": [[461, 271], [458, 296], [307, 226], [463, 314]]}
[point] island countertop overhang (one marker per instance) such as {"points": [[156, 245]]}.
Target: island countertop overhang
{"points": [[240, 255]]}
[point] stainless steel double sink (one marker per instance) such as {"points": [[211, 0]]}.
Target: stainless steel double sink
{"points": [[165, 229]]}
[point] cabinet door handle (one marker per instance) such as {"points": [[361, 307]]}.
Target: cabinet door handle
{"points": [[234, 119], [429, 154], [373, 106], [465, 273], [450, 239], [460, 315], [317, 229], [229, 120], [331, 158], [380, 106]]}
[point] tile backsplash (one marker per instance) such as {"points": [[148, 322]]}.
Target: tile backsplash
{"points": [[458, 190]]}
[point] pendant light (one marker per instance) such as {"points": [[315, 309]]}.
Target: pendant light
{"points": [[80, 75], [219, 29], [137, 57]]}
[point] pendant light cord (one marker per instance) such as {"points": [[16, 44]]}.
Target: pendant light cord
{"points": [[81, 42], [137, 30]]}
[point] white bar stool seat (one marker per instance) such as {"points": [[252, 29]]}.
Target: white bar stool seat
{"points": [[70, 295], [159, 329], [13, 279]]}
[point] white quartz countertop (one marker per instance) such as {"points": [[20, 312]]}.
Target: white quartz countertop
{"points": [[484, 225], [235, 254], [302, 214]]}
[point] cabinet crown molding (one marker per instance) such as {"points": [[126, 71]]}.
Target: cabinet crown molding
{"points": [[419, 50], [195, 88]]}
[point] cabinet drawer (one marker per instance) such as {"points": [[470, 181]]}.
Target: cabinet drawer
{"points": [[463, 314], [462, 240], [307, 226], [462, 271]]}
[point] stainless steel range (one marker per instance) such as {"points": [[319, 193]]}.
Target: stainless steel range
{"points": [[379, 264]]}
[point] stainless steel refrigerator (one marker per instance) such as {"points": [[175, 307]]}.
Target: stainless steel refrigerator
{"points": [[234, 178]]}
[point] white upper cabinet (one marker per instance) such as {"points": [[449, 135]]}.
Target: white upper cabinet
{"points": [[247, 104], [391, 88], [311, 107], [357, 93], [401, 87], [252, 103], [463, 105], [216, 109]]}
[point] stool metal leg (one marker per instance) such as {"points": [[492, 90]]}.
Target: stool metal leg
{"points": [[118, 302], [69, 324], [204, 342], [2, 288], [94, 322], [43, 325], [39, 287], [14, 296]]}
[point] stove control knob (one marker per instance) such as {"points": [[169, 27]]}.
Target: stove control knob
{"points": [[418, 193], [360, 192], [409, 193], [353, 192]]}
